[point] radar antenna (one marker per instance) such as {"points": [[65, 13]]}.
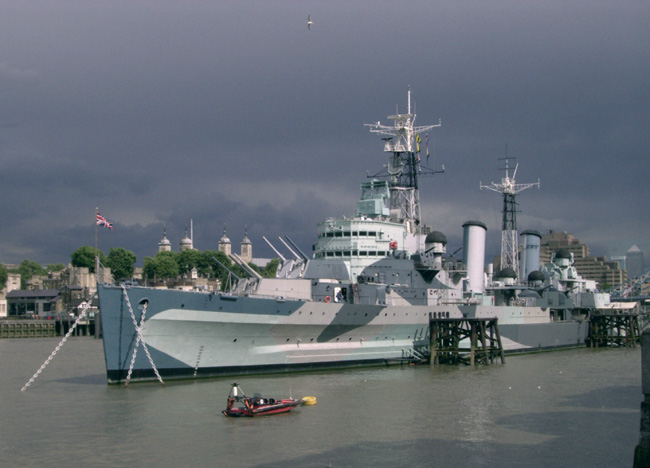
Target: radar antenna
{"points": [[402, 139], [509, 189]]}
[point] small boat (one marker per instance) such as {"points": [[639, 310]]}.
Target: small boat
{"points": [[241, 405]]}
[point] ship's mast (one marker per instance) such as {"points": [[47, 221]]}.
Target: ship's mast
{"points": [[509, 189], [402, 139]]}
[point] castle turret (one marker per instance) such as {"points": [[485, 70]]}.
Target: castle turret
{"points": [[164, 245], [224, 243], [186, 242], [246, 247]]}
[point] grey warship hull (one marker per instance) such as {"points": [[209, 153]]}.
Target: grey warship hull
{"points": [[367, 296], [194, 335]]}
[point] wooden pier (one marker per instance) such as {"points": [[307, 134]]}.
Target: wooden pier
{"points": [[34, 328], [615, 327], [482, 335], [27, 328]]}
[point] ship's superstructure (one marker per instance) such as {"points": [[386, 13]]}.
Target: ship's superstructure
{"points": [[387, 218], [367, 296]]}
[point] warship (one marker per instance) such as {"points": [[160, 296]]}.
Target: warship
{"points": [[366, 296]]}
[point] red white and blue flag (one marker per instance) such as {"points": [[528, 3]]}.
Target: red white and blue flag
{"points": [[101, 221]]}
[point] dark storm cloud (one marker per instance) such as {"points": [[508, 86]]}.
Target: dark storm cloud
{"points": [[161, 112]]}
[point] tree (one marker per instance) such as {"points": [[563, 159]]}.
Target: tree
{"points": [[162, 266], [271, 268], [4, 275], [188, 259], [209, 268], [27, 269], [85, 257], [121, 262], [55, 267]]}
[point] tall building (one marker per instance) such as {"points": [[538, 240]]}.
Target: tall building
{"points": [[634, 262], [606, 272]]}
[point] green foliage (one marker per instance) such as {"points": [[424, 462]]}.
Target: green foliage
{"points": [[163, 265], [121, 262], [85, 257], [55, 267], [4, 275], [188, 259], [271, 268], [207, 267], [27, 269]]}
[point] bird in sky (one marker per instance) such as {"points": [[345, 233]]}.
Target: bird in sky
{"points": [[309, 22]]}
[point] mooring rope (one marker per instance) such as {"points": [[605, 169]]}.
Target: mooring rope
{"points": [[140, 339], [56, 350]]}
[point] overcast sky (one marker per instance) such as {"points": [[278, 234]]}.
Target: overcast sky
{"points": [[159, 112]]}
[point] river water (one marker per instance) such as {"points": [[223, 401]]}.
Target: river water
{"points": [[561, 409]]}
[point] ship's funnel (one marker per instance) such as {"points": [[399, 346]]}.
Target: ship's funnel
{"points": [[474, 254], [530, 253]]}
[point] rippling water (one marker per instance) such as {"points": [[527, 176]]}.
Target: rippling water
{"points": [[561, 409]]}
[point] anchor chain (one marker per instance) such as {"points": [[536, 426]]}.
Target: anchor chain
{"points": [[56, 350], [139, 340]]}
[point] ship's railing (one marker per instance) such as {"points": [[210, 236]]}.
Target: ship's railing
{"points": [[411, 354]]}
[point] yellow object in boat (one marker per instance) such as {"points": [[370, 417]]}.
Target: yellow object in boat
{"points": [[308, 400]]}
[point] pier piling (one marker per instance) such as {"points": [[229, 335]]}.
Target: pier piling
{"points": [[449, 339], [613, 329], [642, 451]]}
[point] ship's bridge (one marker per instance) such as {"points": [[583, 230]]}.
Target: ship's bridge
{"points": [[358, 237], [375, 199]]}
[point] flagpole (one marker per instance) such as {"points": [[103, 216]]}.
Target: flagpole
{"points": [[96, 254]]}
